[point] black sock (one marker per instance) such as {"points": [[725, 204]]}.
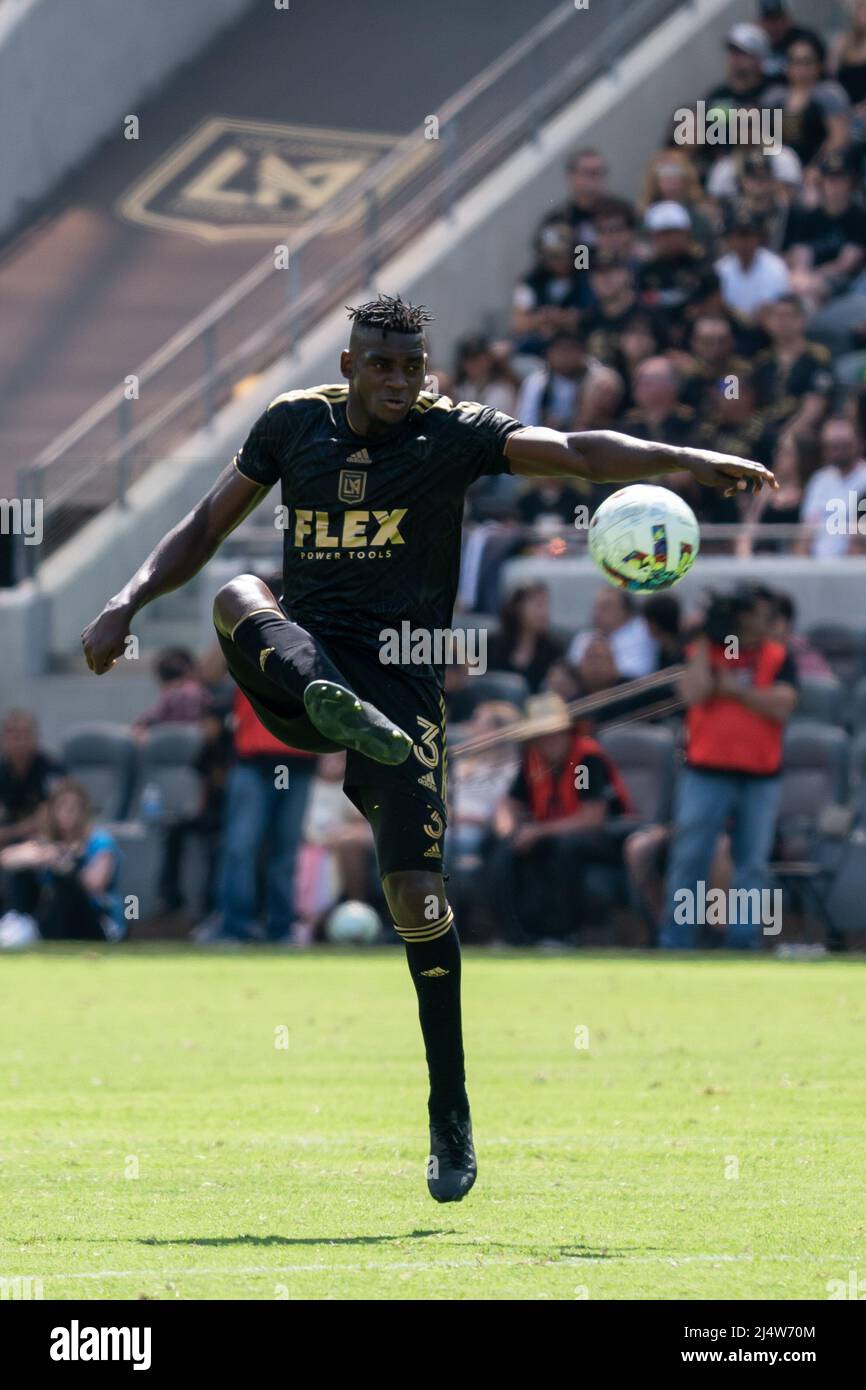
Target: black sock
{"points": [[435, 970], [286, 653]]}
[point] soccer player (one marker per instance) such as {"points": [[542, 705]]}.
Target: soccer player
{"points": [[373, 474]]}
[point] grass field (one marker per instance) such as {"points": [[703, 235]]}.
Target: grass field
{"points": [[156, 1140]]}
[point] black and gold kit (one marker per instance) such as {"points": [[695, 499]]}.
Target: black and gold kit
{"points": [[371, 545]]}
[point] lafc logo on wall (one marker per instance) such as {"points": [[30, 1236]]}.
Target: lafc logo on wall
{"points": [[352, 485], [245, 179]]}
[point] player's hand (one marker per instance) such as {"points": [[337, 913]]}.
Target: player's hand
{"points": [[732, 474], [104, 639]]}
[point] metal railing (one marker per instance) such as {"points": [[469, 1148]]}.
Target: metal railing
{"points": [[268, 310]]}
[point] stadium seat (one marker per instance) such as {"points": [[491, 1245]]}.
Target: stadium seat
{"points": [[645, 757], [843, 647], [168, 763], [102, 758], [500, 685], [820, 700], [854, 712], [814, 770]]}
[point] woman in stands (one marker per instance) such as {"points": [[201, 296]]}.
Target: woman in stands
{"points": [[525, 644], [76, 865]]}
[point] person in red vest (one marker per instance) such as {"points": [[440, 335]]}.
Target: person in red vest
{"points": [[740, 689], [266, 797], [553, 825]]}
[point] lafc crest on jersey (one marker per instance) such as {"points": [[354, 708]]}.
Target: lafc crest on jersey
{"points": [[352, 485]]}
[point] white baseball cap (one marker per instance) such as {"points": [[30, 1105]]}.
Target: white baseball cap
{"points": [[667, 217], [749, 38]]}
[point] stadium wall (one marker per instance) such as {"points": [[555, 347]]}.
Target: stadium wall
{"points": [[463, 267], [71, 69]]}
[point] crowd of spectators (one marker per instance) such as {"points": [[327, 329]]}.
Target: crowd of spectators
{"points": [[721, 304]]}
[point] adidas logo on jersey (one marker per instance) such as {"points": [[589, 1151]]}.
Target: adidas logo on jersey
{"points": [[360, 457], [434, 852], [427, 781]]}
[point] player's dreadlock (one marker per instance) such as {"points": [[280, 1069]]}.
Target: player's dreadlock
{"points": [[391, 314]]}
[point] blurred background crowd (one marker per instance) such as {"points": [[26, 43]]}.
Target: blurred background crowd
{"points": [[723, 305]]}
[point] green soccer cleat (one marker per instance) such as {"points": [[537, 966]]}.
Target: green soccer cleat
{"points": [[452, 1167], [345, 719]]}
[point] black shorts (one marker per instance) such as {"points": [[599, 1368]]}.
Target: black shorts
{"points": [[405, 805]]}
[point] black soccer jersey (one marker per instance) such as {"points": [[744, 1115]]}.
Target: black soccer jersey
{"points": [[371, 527]]}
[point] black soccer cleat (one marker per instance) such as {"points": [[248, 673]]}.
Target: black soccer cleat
{"points": [[345, 719], [451, 1167]]}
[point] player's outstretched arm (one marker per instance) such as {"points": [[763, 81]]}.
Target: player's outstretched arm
{"points": [[179, 556], [604, 456]]}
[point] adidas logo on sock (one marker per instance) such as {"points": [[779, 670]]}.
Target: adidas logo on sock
{"points": [[427, 781], [360, 457], [437, 970], [434, 852]]}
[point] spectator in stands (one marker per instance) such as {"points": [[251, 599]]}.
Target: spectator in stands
{"points": [[616, 230], [831, 493], [795, 457], [587, 175], [483, 372], [738, 699], [643, 336], [76, 868], [553, 497], [749, 274], [776, 22], [816, 115], [615, 294], [551, 395], [809, 661], [552, 826], [677, 280], [661, 614], [672, 176], [182, 697], [762, 183], [549, 298], [615, 617], [525, 642], [27, 776], [336, 855], [847, 64], [744, 85], [478, 782], [713, 365], [792, 376], [825, 250], [266, 799], [658, 412]]}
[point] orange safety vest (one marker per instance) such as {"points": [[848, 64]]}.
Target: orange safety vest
{"points": [[553, 796], [723, 735], [252, 739]]}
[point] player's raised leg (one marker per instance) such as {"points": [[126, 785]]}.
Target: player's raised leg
{"points": [[247, 614], [424, 920]]}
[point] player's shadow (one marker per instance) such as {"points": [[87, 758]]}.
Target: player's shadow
{"points": [[290, 1240]]}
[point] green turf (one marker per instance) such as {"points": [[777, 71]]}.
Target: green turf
{"points": [[708, 1143]]}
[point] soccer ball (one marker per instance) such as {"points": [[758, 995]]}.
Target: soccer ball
{"points": [[353, 924], [644, 538]]}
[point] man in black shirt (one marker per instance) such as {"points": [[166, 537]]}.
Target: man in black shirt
{"points": [[587, 185], [825, 244], [26, 777], [747, 49], [781, 31], [677, 280], [373, 474]]}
